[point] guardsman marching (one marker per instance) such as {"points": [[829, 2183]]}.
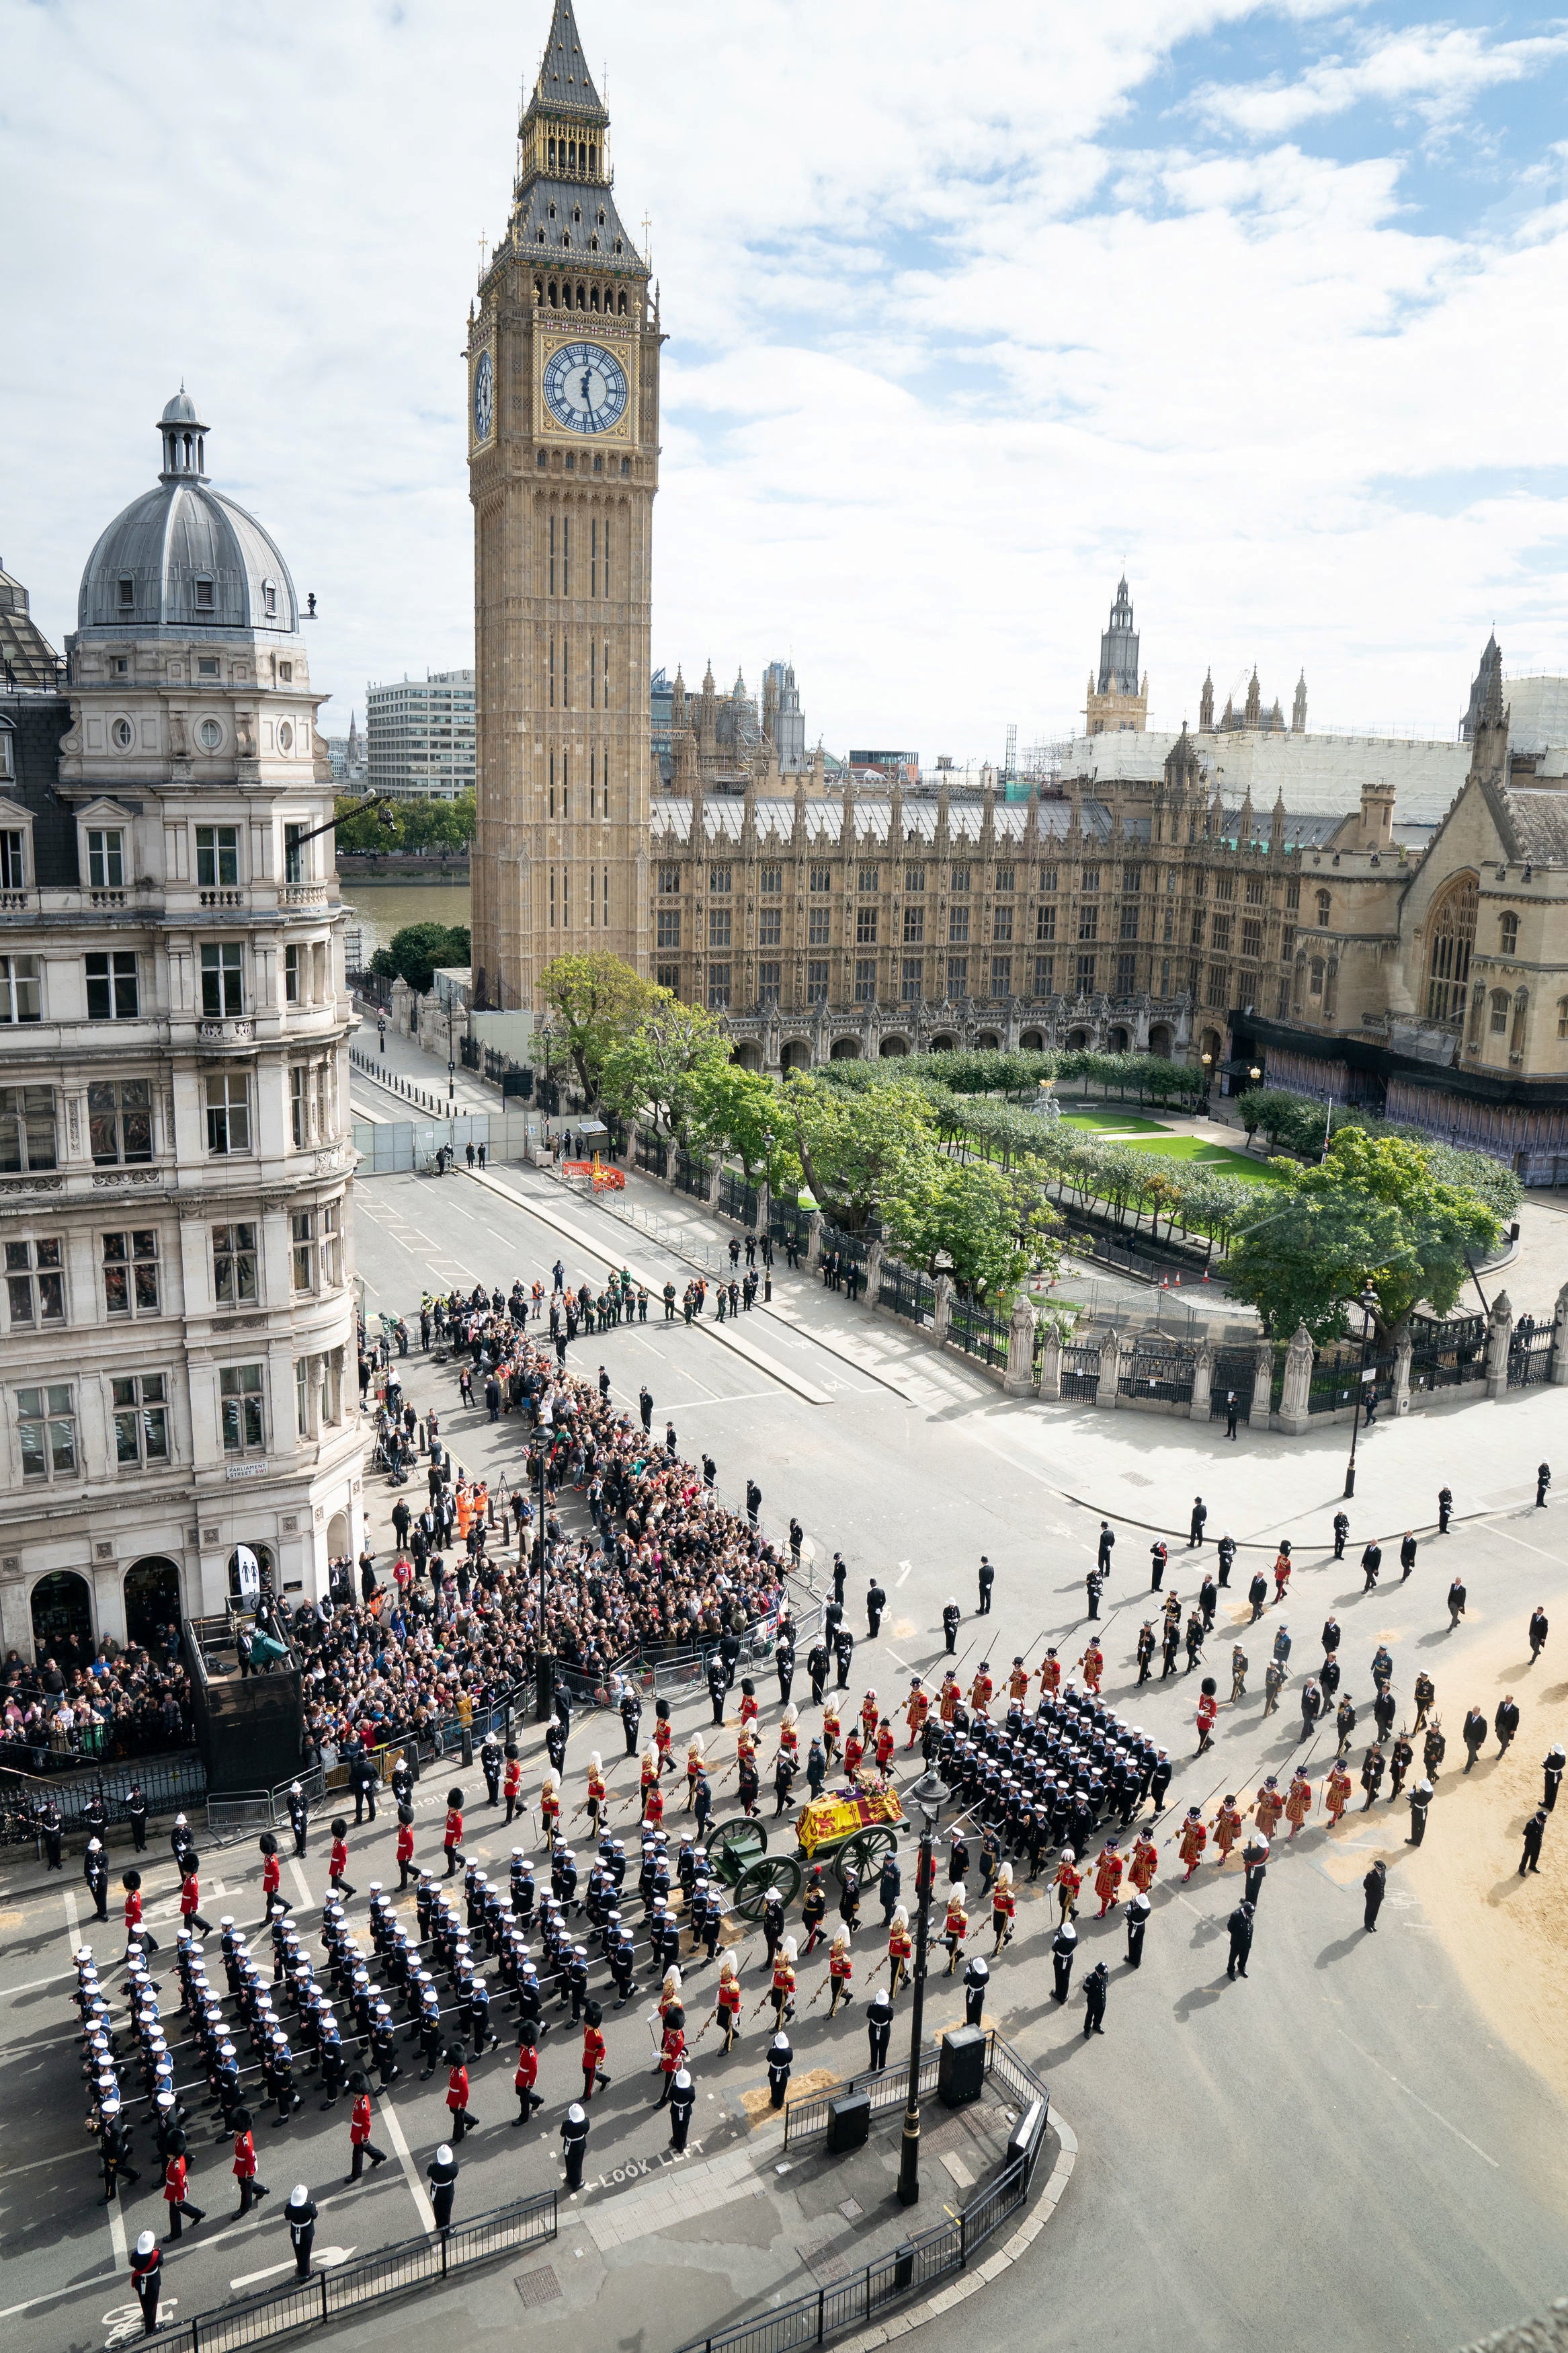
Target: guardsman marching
{"points": [[954, 1928], [1108, 1876], [1267, 1807], [1336, 1793], [1226, 1826], [727, 2001], [1068, 1880], [1004, 1906], [917, 1707], [840, 1969], [899, 1947], [1299, 1801]]}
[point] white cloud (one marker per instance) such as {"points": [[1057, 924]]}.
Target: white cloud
{"points": [[956, 330], [1437, 72]]}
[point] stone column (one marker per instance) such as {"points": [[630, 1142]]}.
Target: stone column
{"points": [[1020, 1376], [941, 1312], [813, 1240], [764, 1207], [1293, 1416], [1202, 1384], [1560, 1340], [1402, 1351], [1500, 1332], [874, 1257], [713, 1176], [1262, 1385], [1051, 1363], [1110, 1390]]}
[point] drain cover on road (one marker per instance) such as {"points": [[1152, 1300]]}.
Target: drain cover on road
{"points": [[537, 2287], [852, 2210]]}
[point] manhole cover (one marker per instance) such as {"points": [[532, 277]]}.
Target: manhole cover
{"points": [[852, 2210], [537, 2287]]}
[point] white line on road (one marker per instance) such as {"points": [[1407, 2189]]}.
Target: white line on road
{"points": [[1433, 2113], [73, 1923], [410, 2170], [300, 1882], [904, 1569], [1555, 1557]]}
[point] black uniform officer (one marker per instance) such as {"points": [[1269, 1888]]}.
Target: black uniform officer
{"points": [[781, 2058], [300, 2216], [298, 1817], [442, 2176], [876, 1602], [1094, 1990], [491, 1761], [631, 1717], [1138, 1912], [987, 1579], [1374, 1886], [1240, 1927], [951, 1619], [682, 2100], [880, 2026], [147, 2279], [1551, 1773], [136, 1815], [976, 1980], [1064, 1945], [574, 2135]]}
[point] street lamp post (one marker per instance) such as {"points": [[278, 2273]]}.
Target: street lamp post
{"points": [[1207, 1062], [927, 1793], [1367, 1303]]}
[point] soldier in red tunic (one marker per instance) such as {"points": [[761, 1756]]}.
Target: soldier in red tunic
{"points": [[1108, 1876], [916, 1710], [1194, 1837]]}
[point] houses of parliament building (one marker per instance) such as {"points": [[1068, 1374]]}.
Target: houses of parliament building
{"points": [[1372, 918]]}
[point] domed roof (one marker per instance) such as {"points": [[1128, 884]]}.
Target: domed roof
{"points": [[183, 557]]}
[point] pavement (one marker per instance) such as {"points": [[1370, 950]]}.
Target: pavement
{"points": [[1351, 2147]]}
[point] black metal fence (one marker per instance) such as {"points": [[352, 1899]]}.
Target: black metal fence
{"points": [[787, 1221], [737, 1199], [1444, 1355], [851, 1248], [978, 1332], [1530, 1354], [690, 1175], [650, 1151], [1080, 1371], [929, 2256], [1233, 1375], [1158, 1371], [348, 2287], [171, 1785], [907, 1291]]}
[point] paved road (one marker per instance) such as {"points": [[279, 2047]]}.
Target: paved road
{"points": [[1337, 2151]]}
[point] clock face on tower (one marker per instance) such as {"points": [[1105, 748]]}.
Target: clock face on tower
{"points": [[484, 397], [585, 388]]}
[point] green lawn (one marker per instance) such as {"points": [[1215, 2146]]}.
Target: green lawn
{"points": [[1114, 1123], [1211, 1156]]}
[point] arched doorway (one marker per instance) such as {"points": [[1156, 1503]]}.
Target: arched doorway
{"points": [[1031, 1042], [263, 1554], [846, 1049], [944, 1045], [747, 1056], [62, 1619], [1213, 1046], [988, 1042], [338, 1536], [151, 1601], [1160, 1041], [1077, 1040], [894, 1046], [795, 1055], [1118, 1040]]}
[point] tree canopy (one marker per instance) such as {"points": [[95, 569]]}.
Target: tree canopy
{"points": [[596, 1002], [658, 1064], [413, 953], [1374, 1214], [410, 827]]}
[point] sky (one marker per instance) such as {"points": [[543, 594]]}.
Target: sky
{"points": [[967, 313]]}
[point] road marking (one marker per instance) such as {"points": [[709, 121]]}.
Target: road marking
{"points": [[301, 1882], [323, 2258], [410, 2170], [1555, 1557], [904, 1569], [117, 2236], [73, 1923], [1433, 2113]]}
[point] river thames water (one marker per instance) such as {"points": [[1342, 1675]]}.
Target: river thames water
{"points": [[383, 908]]}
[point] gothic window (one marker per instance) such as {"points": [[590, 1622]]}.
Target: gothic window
{"points": [[1001, 976], [1251, 939], [914, 878], [718, 989], [1325, 906], [768, 984], [961, 878], [1500, 1012], [1315, 977], [910, 989], [1126, 975], [865, 980], [1132, 878], [1045, 976], [817, 927], [1090, 880], [1002, 923], [1085, 976], [816, 981], [669, 880], [1219, 933], [866, 927], [1452, 935], [1225, 886], [867, 878], [822, 878], [718, 879], [1088, 922], [1003, 877], [718, 927], [1562, 1016], [914, 926], [1507, 935], [770, 881], [668, 927], [1044, 922], [1130, 919], [1048, 877], [1293, 894], [770, 927], [958, 924], [1255, 890]]}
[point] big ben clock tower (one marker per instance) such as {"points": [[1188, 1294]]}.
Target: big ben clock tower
{"points": [[562, 363]]}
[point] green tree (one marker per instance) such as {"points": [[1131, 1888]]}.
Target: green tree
{"points": [[657, 1067], [736, 1110], [993, 1226], [597, 1001], [858, 1150], [1373, 1214], [413, 953]]}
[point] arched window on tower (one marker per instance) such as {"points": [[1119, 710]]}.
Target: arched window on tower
{"points": [[1451, 936], [1508, 934], [581, 296], [1516, 1036], [1499, 1013], [1325, 908], [621, 305], [539, 289], [553, 304]]}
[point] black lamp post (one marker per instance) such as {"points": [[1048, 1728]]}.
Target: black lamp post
{"points": [[927, 1794], [1367, 1303]]}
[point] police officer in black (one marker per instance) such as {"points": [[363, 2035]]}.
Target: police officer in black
{"points": [[951, 1619], [876, 1602], [136, 1815], [300, 2216], [817, 1665], [682, 2100], [1445, 1509], [987, 1579], [575, 2136], [781, 2058], [1094, 1991], [442, 2175], [95, 1869], [491, 1763], [1240, 1927], [1138, 1912], [843, 1651], [880, 2026], [784, 1664], [976, 1982]]}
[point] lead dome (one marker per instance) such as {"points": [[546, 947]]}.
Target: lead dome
{"points": [[184, 557]]}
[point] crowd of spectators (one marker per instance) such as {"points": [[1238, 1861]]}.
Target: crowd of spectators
{"points": [[124, 1701], [455, 1625]]}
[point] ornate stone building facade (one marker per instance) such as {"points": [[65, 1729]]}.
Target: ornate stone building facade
{"points": [[176, 1304]]}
